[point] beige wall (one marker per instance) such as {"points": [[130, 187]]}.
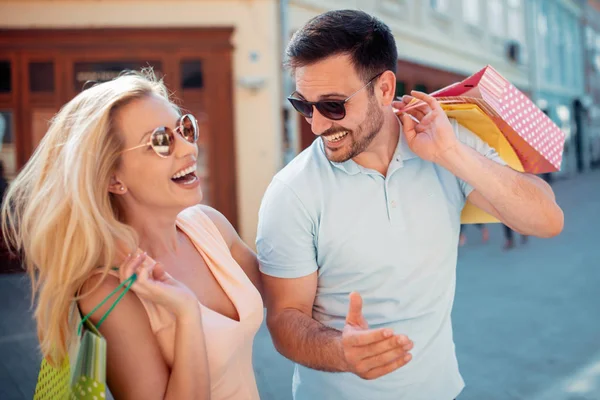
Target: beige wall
{"points": [[426, 37], [257, 113]]}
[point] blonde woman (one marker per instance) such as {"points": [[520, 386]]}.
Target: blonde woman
{"points": [[113, 183]]}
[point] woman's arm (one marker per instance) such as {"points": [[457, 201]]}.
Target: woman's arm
{"points": [[135, 365]]}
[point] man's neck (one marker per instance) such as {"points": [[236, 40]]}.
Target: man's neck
{"points": [[381, 151]]}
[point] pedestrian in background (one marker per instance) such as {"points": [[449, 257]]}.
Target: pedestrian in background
{"points": [[485, 234], [509, 238]]}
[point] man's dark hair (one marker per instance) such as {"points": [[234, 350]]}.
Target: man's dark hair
{"points": [[368, 41]]}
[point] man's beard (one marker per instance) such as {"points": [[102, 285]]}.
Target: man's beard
{"points": [[359, 139]]}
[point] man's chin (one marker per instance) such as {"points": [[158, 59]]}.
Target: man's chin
{"points": [[337, 156]]}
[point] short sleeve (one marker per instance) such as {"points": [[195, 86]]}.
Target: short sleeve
{"points": [[285, 240], [467, 137]]}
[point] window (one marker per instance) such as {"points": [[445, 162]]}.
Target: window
{"points": [[420, 87], [439, 5], [589, 37], [568, 39], [400, 89], [471, 11], [41, 77], [86, 74], [7, 144], [516, 20], [496, 17], [564, 57], [191, 74], [393, 6], [555, 46], [573, 56], [5, 77], [542, 30], [548, 41]]}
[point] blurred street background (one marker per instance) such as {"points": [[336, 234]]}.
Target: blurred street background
{"points": [[527, 314], [525, 322]]}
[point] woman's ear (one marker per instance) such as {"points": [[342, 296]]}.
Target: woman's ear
{"points": [[116, 186]]}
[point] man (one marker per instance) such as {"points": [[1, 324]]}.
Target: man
{"points": [[371, 210]]}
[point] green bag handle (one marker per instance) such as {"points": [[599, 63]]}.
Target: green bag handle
{"points": [[127, 283]]}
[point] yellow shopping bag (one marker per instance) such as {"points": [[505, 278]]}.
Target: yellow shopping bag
{"points": [[473, 118], [82, 375]]}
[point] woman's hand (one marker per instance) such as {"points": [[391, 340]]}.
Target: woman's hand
{"points": [[155, 284]]}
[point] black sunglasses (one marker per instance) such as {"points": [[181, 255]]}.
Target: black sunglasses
{"points": [[330, 109]]}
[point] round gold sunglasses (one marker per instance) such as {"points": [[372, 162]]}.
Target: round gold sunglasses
{"points": [[162, 139]]}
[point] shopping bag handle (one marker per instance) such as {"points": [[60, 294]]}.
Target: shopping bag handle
{"points": [[127, 283], [416, 103]]}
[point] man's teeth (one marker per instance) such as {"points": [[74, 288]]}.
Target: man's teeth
{"points": [[336, 137], [183, 172]]}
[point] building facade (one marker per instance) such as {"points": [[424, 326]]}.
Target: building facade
{"points": [[223, 61], [557, 79], [591, 45], [439, 41], [220, 58]]}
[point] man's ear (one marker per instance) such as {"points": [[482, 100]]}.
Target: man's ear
{"points": [[386, 85]]}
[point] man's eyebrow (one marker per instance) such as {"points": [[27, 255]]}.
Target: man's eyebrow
{"points": [[323, 96]]}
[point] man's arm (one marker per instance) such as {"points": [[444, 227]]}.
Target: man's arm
{"points": [[524, 202], [297, 336], [295, 333]]}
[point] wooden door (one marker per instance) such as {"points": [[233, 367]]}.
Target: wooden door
{"points": [[49, 67]]}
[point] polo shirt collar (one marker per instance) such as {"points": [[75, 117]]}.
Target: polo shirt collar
{"points": [[402, 153]]}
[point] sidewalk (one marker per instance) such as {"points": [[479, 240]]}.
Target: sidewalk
{"points": [[526, 322]]}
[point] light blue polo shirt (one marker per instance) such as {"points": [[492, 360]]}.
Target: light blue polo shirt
{"points": [[393, 239]]}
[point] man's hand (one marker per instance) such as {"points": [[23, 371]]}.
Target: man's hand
{"points": [[428, 131], [371, 353]]}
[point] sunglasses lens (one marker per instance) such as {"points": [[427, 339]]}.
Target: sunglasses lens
{"points": [[334, 110], [189, 128], [162, 141], [302, 107]]}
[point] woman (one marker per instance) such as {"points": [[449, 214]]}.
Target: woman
{"points": [[112, 183]]}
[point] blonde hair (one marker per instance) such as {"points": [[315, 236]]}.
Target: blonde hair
{"points": [[58, 214]]}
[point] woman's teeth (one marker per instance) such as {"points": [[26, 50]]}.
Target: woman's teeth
{"points": [[184, 172]]}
